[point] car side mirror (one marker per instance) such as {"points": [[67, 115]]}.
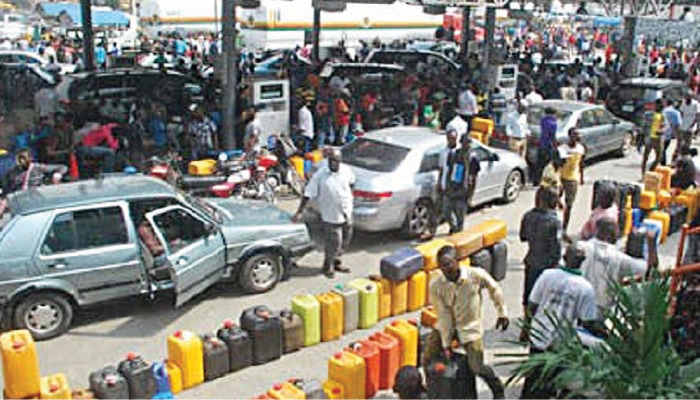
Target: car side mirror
{"points": [[616, 121], [209, 228]]}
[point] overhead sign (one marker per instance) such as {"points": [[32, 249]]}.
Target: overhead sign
{"points": [[248, 3], [434, 10], [330, 6], [465, 3], [371, 1]]}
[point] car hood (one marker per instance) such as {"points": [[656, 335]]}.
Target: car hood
{"points": [[249, 213]]}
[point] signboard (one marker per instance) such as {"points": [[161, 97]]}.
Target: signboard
{"points": [[466, 3], [371, 1], [248, 3], [330, 6]]}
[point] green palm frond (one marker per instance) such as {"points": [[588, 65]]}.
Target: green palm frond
{"points": [[638, 360]]}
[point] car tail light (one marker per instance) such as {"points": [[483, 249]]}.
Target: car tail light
{"points": [[650, 107], [371, 196]]}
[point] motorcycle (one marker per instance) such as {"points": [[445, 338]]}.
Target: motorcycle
{"points": [[246, 179], [281, 171]]}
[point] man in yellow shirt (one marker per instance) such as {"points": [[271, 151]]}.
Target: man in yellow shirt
{"points": [[655, 140], [456, 295], [573, 153]]}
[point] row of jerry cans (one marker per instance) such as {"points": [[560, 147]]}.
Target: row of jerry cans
{"points": [[365, 367], [407, 262], [358, 305]]}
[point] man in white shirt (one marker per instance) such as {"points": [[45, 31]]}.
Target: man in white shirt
{"points": [[689, 113], [457, 124], [517, 129], [605, 262], [674, 121], [331, 188], [253, 131], [562, 294], [306, 126], [46, 102], [533, 97], [468, 105]]}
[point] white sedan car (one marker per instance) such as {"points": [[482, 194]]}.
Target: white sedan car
{"points": [[16, 57]]}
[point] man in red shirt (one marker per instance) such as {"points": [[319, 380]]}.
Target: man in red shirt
{"points": [[99, 143]]}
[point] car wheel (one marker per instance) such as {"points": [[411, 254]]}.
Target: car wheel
{"points": [[513, 186], [261, 272], [419, 219], [273, 180], [626, 145], [44, 315]]}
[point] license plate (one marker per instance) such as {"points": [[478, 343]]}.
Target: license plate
{"points": [[628, 109]]}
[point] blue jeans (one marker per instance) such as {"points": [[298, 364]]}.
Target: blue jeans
{"points": [[105, 153]]}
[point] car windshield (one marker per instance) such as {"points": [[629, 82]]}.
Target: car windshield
{"points": [[535, 114], [636, 93], [201, 206], [374, 155]]}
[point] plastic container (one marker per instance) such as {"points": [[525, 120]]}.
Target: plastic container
{"points": [[688, 200], [424, 333], [331, 316], [407, 335], [499, 261], [312, 388], [428, 316], [351, 307], [483, 259], [401, 264], [369, 302], [107, 383], [429, 251], [467, 243], [174, 377], [20, 364], [665, 174], [216, 357], [652, 182], [384, 290], [292, 331], [637, 217], [628, 218], [298, 164], [160, 373], [266, 332], [286, 391], [315, 156], [478, 136], [399, 297], [185, 351], [333, 390], [348, 370], [665, 220], [483, 125], [239, 344], [647, 200], [369, 351], [54, 387], [139, 377], [664, 198], [309, 309], [442, 381], [202, 167], [389, 358], [416, 291], [493, 230]]}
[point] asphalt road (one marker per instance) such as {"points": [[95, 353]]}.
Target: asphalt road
{"points": [[103, 336]]}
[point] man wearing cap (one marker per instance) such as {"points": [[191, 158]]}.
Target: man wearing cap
{"points": [[517, 129], [331, 188]]}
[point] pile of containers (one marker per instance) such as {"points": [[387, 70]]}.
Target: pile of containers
{"points": [[655, 207], [263, 335]]}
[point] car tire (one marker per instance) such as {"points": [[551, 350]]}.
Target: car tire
{"points": [[45, 315], [626, 145], [513, 186], [261, 272], [419, 219]]}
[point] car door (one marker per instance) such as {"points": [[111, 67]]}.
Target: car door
{"points": [[92, 250], [489, 182], [429, 173], [611, 134], [195, 250], [591, 133]]}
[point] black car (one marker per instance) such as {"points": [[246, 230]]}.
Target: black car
{"points": [[80, 92], [633, 99]]}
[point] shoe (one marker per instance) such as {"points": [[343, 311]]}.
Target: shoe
{"points": [[344, 270], [328, 273]]}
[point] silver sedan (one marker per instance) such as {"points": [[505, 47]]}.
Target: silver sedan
{"points": [[397, 170]]}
